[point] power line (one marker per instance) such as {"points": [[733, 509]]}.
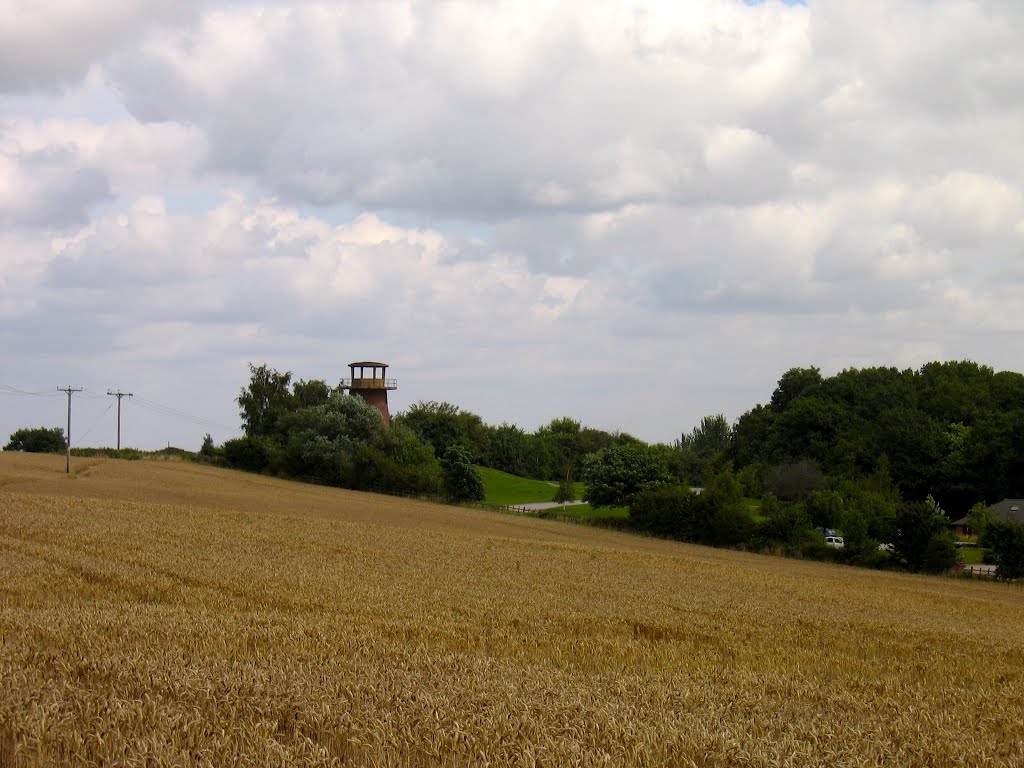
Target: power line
{"points": [[119, 394], [69, 389], [168, 411], [96, 422], [6, 389], [142, 402]]}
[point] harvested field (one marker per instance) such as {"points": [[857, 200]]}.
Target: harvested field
{"points": [[162, 613]]}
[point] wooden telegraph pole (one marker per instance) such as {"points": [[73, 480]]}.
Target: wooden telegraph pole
{"points": [[69, 389], [119, 394]]}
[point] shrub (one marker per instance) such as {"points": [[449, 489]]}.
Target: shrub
{"points": [[254, 454], [665, 511]]}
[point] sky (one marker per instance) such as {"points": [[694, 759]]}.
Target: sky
{"points": [[634, 214]]}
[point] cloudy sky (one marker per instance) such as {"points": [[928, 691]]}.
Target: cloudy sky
{"points": [[631, 213]]}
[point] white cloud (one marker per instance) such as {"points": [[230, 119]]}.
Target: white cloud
{"points": [[521, 206]]}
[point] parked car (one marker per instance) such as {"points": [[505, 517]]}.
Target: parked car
{"points": [[836, 542], [886, 547]]}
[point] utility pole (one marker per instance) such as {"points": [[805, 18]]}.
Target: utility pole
{"points": [[69, 389], [119, 394]]}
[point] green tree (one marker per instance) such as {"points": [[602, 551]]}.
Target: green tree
{"points": [[317, 439], [724, 519], [38, 440], [795, 383], [462, 481], [918, 525], [825, 508], [311, 393], [1005, 541], [564, 443], [615, 475], [794, 481], [507, 449], [565, 492], [208, 449], [979, 519], [713, 435], [443, 425], [267, 398]]}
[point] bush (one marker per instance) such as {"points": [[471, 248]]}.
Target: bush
{"points": [[253, 454], [664, 511], [38, 440], [369, 468], [940, 553]]}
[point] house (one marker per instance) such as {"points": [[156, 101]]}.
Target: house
{"points": [[1007, 510]]}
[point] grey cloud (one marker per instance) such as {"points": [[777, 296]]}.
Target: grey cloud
{"points": [[50, 44], [69, 201]]}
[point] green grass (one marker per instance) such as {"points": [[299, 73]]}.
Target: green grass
{"points": [[971, 555], [503, 488], [586, 511]]}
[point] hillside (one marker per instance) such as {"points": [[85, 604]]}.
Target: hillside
{"points": [[167, 612]]}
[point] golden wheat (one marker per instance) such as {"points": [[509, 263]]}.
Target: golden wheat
{"points": [[168, 614]]}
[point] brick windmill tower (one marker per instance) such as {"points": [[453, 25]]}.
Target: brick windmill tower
{"points": [[373, 388]]}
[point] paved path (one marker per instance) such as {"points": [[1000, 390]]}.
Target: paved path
{"points": [[537, 506]]}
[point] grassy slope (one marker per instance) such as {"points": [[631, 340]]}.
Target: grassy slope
{"points": [[502, 488], [161, 609]]}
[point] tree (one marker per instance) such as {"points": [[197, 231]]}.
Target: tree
{"points": [[795, 481], [310, 393], [713, 435], [316, 439], [825, 508], [979, 518], [563, 439], [1005, 541], [507, 449], [462, 481], [794, 383], [208, 449], [265, 400], [565, 492], [918, 526], [725, 520], [443, 425], [38, 440], [707, 442], [615, 475]]}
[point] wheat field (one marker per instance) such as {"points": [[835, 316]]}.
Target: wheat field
{"points": [[166, 614]]}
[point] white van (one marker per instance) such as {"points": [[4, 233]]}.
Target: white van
{"points": [[835, 541]]}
